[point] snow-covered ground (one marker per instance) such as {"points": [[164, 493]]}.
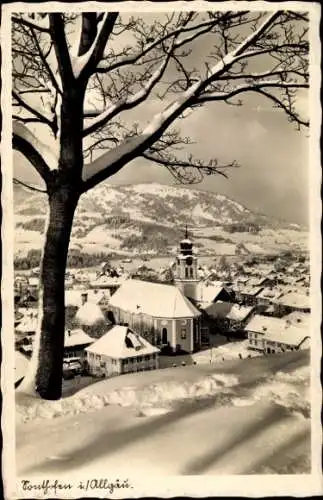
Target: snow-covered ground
{"points": [[248, 416]]}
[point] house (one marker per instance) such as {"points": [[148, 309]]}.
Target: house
{"points": [[208, 292], [293, 301], [266, 300], [27, 324], [76, 298], [92, 319], [272, 335], [228, 317], [119, 351], [160, 312], [75, 342], [105, 282], [248, 294]]}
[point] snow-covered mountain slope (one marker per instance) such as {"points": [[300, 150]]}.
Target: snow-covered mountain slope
{"points": [[149, 218]]}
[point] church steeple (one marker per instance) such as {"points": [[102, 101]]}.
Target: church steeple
{"points": [[186, 266]]}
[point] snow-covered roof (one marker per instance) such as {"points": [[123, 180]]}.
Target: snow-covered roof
{"points": [[27, 324], [89, 314], [77, 337], [295, 299], [105, 281], [250, 290], [74, 297], [298, 318], [270, 293], [256, 281], [279, 329], [154, 299], [114, 344], [229, 310], [207, 292]]}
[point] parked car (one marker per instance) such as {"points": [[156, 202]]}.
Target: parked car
{"points": [[72, 367]]}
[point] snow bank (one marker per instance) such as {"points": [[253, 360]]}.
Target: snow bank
{"points": [[287, 390], [146, 400], [290, 391]]}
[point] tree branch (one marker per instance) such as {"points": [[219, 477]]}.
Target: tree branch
{"points": [[220, 96], [57, 33], [185, 170], [88, 60], [45, 63], [130, 102], [28, 144], [31, 110], [29, 24], [203, 26], [28, 186]]}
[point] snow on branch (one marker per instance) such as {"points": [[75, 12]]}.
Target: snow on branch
{"points": [[29, 21], [41, 117], [28, 186], [113, 160], [130, 102], [110, 162], [196, 30], [39, 155], [86, 62]]}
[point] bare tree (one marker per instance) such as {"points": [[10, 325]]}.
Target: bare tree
{"points": [[61, 60]]}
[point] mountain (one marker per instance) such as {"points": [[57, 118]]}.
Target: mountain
{"points": [[151, 218]]}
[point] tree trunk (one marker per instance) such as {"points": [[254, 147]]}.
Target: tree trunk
{"points": [[45, 375], [44, 378]]}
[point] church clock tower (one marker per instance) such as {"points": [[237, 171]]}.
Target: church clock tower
{"points": [[186, 268]]}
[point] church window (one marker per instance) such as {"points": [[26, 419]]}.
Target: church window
{"points": [[183, 333], [186, 272], [164, 336], [191, 272]]}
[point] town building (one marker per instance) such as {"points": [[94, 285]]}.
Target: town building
{"points": [[228, 318], [293, 301], [274, 335], [159, 312], [119, 351], [75, 342]]}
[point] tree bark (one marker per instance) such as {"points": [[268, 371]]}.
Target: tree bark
{"points": [[45, 375], [44, 378]]}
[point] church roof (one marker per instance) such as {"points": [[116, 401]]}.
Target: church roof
{"points": [[154, 299]]}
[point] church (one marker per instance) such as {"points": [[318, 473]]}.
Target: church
{"points": [[168, 316]]}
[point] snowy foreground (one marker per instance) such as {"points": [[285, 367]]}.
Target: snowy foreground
{"points": [[248, 416]]}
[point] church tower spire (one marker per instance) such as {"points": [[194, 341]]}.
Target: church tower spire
{"points": [[186, 267]]}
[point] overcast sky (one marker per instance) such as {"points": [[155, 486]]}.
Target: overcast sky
{"points": [[273, 155]]}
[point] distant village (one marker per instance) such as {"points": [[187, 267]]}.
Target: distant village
{"points": [[120, 321]]}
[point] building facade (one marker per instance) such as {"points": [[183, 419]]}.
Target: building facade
{"points": [[160, 313], [121, 350]]}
